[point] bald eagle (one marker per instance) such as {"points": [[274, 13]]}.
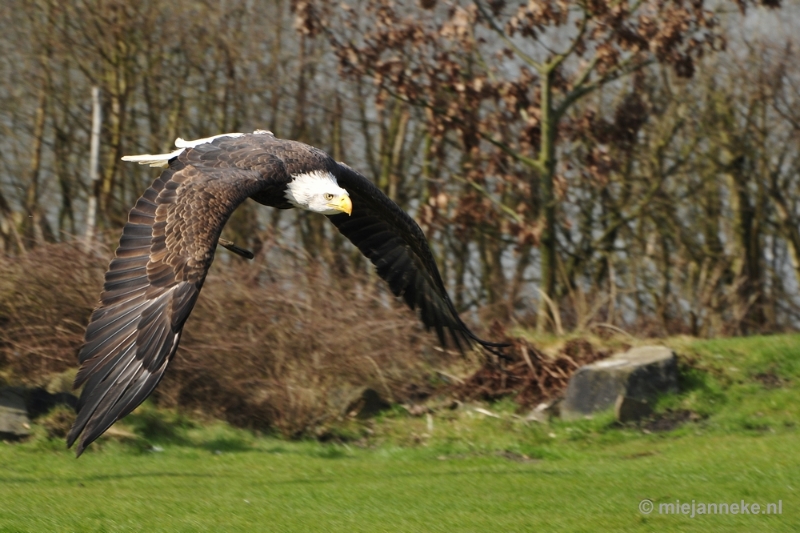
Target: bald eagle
{"points": [[168, 245]]}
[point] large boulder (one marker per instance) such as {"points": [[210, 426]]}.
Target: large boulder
{"points": [[18, 405], [629, 381], [14, 421]]}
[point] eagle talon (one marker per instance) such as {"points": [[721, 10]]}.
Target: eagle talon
{"points": [[247, 254]]}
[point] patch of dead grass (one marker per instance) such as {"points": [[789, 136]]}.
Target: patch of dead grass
{"points": [[278, 343]]}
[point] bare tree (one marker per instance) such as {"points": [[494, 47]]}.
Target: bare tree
{"points": [[504, 78]]}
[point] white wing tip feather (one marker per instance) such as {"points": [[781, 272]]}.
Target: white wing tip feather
{"points": [[162, 160], [154, 160], [182, 143]]}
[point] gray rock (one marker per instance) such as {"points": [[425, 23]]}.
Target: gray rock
{"points": [[639, 376], [628, 409], [14, 421], [18, 405]]}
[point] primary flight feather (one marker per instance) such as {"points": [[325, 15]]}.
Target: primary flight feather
{"points": [[169, 243]]}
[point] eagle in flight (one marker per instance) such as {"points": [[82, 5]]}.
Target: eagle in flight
{"points": [[168, 245]]}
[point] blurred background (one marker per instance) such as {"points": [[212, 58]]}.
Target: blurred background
{"points": [[578, 167]]}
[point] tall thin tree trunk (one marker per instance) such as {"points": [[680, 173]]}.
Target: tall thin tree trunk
{"points": [[94, 168], [747, 256], [33, 224], [547, 215], [299, 122], [275, 57]]}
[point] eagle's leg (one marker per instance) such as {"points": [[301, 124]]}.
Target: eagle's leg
{"points": [[247, 254]]}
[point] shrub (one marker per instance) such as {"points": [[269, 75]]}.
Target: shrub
{"points": [[275, 343]]}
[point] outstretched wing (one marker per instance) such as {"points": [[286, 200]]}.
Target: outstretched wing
{"points": [[399, 250], [151, 287]]}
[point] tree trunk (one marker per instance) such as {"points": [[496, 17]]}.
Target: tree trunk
{"points": [[747, 253], [547, 214], [33, 225]]}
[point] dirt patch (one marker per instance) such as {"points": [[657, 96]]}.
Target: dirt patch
{"points": [[770, 380], [639, 455], [505, 454], [514, 456], [669, 420]]}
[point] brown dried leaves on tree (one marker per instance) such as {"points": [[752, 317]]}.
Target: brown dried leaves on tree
{"points": [[498, 83]]}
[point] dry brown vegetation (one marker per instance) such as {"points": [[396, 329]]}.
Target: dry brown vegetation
{"points": [[292, 346], [276, 343], [273, 343], [529, 376], [46, 297]]}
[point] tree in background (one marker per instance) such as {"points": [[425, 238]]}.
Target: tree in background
{"points": [[164, 69], [499, 85], [557, 152]]}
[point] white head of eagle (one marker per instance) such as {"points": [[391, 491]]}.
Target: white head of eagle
{"points": [[318, 191]]}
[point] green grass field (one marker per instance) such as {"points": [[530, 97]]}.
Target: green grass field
{"points": [[459, 471]]}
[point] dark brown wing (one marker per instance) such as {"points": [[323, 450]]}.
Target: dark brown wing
{"points": [[151, 287], [399, 250]]}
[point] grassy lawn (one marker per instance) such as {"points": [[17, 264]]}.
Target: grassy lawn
{"points": [[458, 471]]}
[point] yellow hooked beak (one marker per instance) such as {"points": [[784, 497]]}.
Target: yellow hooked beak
{"points": [[343, 204]]}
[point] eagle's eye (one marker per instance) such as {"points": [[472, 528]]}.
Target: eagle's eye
{"points": [[328, 196]]}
